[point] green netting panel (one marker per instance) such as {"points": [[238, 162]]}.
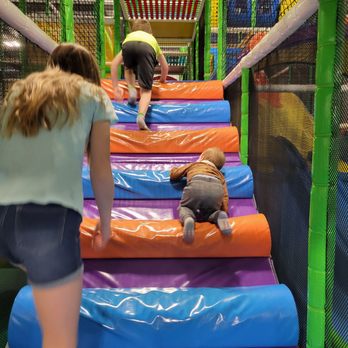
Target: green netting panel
{"points": [[337, 253], [280, 153], [86, 15], [18, 57]]}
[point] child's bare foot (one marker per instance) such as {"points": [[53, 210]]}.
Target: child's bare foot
{"points": [[223, 224], [141, 123], [132, 95], [189, 230]]}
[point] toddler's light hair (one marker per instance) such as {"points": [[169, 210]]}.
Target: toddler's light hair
{"points": [[214, 155]]}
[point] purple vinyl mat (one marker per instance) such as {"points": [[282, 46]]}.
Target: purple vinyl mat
{"points": [[151, 166], [160, 209], [231, 157], [171, 127], [128, 273]]}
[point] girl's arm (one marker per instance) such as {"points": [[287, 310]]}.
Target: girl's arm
{"points": [[101, 177]]}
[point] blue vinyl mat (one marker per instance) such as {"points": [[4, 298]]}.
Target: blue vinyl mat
{"points": [[155, 184]]}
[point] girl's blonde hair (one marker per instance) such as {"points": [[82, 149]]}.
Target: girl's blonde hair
{"points": [[50, 98], [42, 100]]}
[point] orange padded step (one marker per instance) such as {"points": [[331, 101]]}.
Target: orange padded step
{"points": [[175, 90], [163, 239], [181, 141]]}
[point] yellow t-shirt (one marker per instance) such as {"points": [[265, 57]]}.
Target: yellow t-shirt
{"points": [[142, 36]]}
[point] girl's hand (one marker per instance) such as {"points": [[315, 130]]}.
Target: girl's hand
{"points": [[101, 237]]}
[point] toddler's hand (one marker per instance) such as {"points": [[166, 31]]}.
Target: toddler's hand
{"points": [[101, 237], [163, 80], [118, 93]]}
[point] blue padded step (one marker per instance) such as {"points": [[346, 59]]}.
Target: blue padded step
{"points": [[155, 184], [263, 316], [183, 112]]}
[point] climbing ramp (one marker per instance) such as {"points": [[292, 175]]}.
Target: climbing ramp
{"points": [[150, 289]]}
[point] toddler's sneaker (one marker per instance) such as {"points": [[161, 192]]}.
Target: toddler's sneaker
{"points": [[189, 230], [223, 224]]}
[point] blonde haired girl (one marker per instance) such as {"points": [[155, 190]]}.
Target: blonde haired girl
{"points": [[47, 121]]}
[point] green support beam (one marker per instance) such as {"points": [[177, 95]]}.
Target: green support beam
{"points": [[190, 61], [207, 39], [23, 50], [321, 185], [244, 130], [101, 37], [67, 21], [253, 13], [222, 32], [117, 31]]}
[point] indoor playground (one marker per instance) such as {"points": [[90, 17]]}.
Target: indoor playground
{"points": [[267, 82]]}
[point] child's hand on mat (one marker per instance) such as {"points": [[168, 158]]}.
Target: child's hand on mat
{"points": [[118, 93], [163, 80], [102, 236]]}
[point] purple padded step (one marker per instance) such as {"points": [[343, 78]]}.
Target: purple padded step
{"points": [[151, 166], [129, 273], [160, 209], [171, 127], [167, 158]]}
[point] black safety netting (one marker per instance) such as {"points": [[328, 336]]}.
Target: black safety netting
{"points": [[337, 253], [233, 93], [46, 14], [86, 31], [246, 23], [280, 153], [18, 57]]}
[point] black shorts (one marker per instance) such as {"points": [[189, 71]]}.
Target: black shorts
{"points": [[141, 58]]}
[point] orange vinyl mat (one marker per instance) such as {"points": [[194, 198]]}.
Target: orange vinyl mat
{"points": [[163, 239], [212, 90], [181, 141]]}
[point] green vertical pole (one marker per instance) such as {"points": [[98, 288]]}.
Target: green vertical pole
{"points": [[318, 218], [207, 39], [67, 21], [253, 13], [192, 62], [197, 52], [244, 129], [221, 64], [117, 30], [23, 6], [23, 57], [101, 37]]}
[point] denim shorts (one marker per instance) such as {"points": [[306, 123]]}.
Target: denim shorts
{"points": [[42, 239]]}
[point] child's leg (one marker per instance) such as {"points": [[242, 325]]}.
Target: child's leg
{"points": [[220, 218], [144, 102], [187, 218], [60, 329], [132, 92]]}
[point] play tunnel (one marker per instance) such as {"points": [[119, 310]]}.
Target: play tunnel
{"points": [[148, 288]]}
